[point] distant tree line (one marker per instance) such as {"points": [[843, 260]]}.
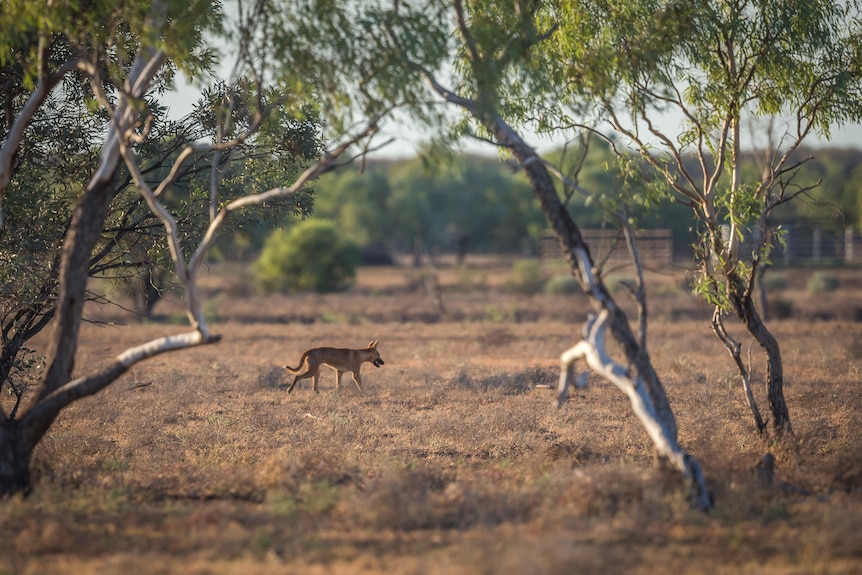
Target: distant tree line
{"points": [[480, 205]]}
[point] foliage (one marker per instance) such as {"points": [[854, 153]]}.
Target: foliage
{"points": [[527, 277], [340, 52], [472, 205], [311, 256], [359, 205], [562, 285], [288, 139], [821, 282]]}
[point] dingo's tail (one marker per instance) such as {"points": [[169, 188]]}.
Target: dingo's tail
{"points": [[296, 370]]}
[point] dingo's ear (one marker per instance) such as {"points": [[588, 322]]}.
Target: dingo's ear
{"points": [[373, 344]]}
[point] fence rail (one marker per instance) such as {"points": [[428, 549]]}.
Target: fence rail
{"points": [[655, 247], [804, 244], [807, 244]]}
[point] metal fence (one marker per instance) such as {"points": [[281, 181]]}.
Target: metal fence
{"points": [[655, 247], [813, 244], [804, 244]]}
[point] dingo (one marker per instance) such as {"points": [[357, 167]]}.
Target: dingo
{"points": [[341, 360]]}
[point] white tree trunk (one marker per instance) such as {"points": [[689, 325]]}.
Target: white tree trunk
{"points": [[662, 431]]}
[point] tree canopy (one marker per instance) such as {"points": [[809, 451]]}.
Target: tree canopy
{"points": [[252, 144], [716, 63]]}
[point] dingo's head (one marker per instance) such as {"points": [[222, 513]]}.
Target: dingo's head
{"points": [[374, 356]]}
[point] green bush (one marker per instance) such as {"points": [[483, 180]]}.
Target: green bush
{"points": [[615, 283], [527, 277], [774, 283], [780, 308], [311, 256], [562, 284], [821, 283]]}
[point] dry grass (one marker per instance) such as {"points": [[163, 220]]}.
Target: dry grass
{"points": [[451, 461]]}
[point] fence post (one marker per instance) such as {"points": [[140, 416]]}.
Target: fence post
{"points": [[788, 244], [816, 249], [848, 244]]}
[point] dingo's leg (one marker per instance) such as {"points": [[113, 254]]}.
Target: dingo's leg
{"points": [[338, 374], [300, 376], [357, 379], [314, 380]]}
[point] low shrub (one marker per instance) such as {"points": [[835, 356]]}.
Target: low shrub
{"points": [[562, 285], [615, 283], [774, 283], [311, 256], [527, 277], [780, 308], [822, 283]]}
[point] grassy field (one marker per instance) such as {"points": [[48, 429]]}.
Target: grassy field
{"points": [[454, 459]]}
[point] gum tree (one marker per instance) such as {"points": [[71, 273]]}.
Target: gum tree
{"points": [[494, 41], [713, 65], [123, 52], [51, 166]]}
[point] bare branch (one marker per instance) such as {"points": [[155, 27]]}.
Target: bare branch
{"points": [[639, 291], [451, 97], [36, 418], [693, 196], [575, 172]]}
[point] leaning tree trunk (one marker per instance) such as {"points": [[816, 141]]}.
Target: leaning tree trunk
{"points": [[19, 437], [748, 315], [571, 242], [639, 381], [14, 459], [644, 389], [740, 295]]}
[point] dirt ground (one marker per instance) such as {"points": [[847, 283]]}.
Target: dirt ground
{"points": [[454, 458]]}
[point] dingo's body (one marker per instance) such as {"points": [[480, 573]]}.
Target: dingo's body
{"points": [[339, 359]]}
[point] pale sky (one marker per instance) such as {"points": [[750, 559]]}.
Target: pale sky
{"points": [[408, 139]]}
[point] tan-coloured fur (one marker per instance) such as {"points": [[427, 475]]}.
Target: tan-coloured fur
{"points": [[339, 359]]}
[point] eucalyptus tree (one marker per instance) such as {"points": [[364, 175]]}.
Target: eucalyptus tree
{"points": [[491, 43], [712, 65], [468, 204], [54, 157], [123, 55], [495, 40]]}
